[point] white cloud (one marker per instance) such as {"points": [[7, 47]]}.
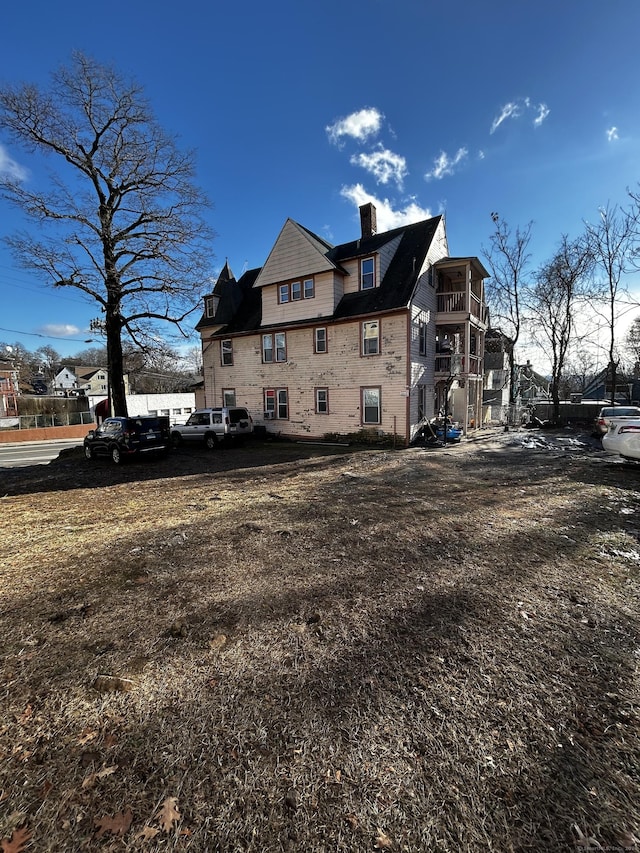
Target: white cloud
{"points": [[510, 110], [612, 134], [383, 164], [59, 330], [514, 109], [386, 216], [360, 125], [445, 165], [9, 168], [543, 112]]}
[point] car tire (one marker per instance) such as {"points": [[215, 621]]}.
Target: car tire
{"points": [[176, 440], [211, 440], [88, 452], [116, 455]]}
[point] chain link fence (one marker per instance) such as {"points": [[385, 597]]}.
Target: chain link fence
{"points": [[57, 419]]}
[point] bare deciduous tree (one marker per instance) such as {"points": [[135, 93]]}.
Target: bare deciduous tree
{"points": [[125, 219], [508, 258], [552, 304], [613, 239]]}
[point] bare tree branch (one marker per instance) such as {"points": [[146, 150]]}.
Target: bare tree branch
{"points": [[125, 217]]}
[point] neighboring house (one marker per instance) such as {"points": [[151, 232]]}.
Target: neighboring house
{"points": [[532, 386], [627, 387], [93, 380], [71, 381], [64, 382], [375, 334], [8, 390], [497, 377]]}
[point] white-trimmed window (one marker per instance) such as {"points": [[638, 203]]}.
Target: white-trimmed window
{"points": [[367, 273], [320, 339], [309, 288], [226, 352], [322, 401], [209, 307], [371, 405], [370, 337], [296, 290], [276, 401], [228, 396], [283, 293], [274, 347]]}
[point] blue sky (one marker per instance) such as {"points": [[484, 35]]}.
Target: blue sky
{"points": [[306, 110]]}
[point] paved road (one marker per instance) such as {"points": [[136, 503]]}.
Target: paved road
{"points": [[33, 452]]}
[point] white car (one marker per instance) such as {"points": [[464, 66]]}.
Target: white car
{"points": [[623, 438]]}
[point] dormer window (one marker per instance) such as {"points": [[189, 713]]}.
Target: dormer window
{"points": [[211, 306], [367, 274]]}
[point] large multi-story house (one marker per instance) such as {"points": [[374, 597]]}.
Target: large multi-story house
{"points": [[377, 334]]}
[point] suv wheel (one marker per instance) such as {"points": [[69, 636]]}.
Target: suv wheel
{"points": [[176, 439], [88, 452], [116, 455], [210, 440]]}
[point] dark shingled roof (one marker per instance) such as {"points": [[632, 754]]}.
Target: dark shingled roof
{"points": [[240, 307], [398, 284]]}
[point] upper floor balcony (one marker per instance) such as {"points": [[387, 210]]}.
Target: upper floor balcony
{"points": [[460, 291]]}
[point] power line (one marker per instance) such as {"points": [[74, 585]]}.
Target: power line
{"points": [[49, 337]]}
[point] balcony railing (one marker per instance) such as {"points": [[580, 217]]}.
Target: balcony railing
{"points": [[456, 302], [443, 364]]}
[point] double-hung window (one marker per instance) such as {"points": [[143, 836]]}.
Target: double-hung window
{"points": [[226, 351], [370, 405], [322, 401], [283, 293], [296, 290], [320, 340], [367, 273], [371, 337], [309, 288], [276, 401], [274, 347]]}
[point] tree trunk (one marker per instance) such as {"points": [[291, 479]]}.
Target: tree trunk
{"points": [[117, 391]]}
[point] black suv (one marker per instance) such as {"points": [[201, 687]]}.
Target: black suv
{"points": [[123, 438]]}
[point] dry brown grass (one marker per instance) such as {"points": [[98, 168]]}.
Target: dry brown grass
{"points": [[322, 649]]}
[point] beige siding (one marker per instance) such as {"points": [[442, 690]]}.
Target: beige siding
{"points": [[342, 371], [328, 290], [294, 254]]}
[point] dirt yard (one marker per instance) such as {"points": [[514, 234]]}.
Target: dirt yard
{"points": [[306, 648]]}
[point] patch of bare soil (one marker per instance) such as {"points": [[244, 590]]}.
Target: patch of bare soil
{"points": [[293, 648]]}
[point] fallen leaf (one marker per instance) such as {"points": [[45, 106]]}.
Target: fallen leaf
{"points": [[26, 715], [92, 778], [112, 683], [352, 820], [147, 833], [117, 825], [217, 642], [16, 844], [169, 814], [383, 842]]}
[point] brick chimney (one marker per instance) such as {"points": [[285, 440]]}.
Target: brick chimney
{"points": [[368, 223]]}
